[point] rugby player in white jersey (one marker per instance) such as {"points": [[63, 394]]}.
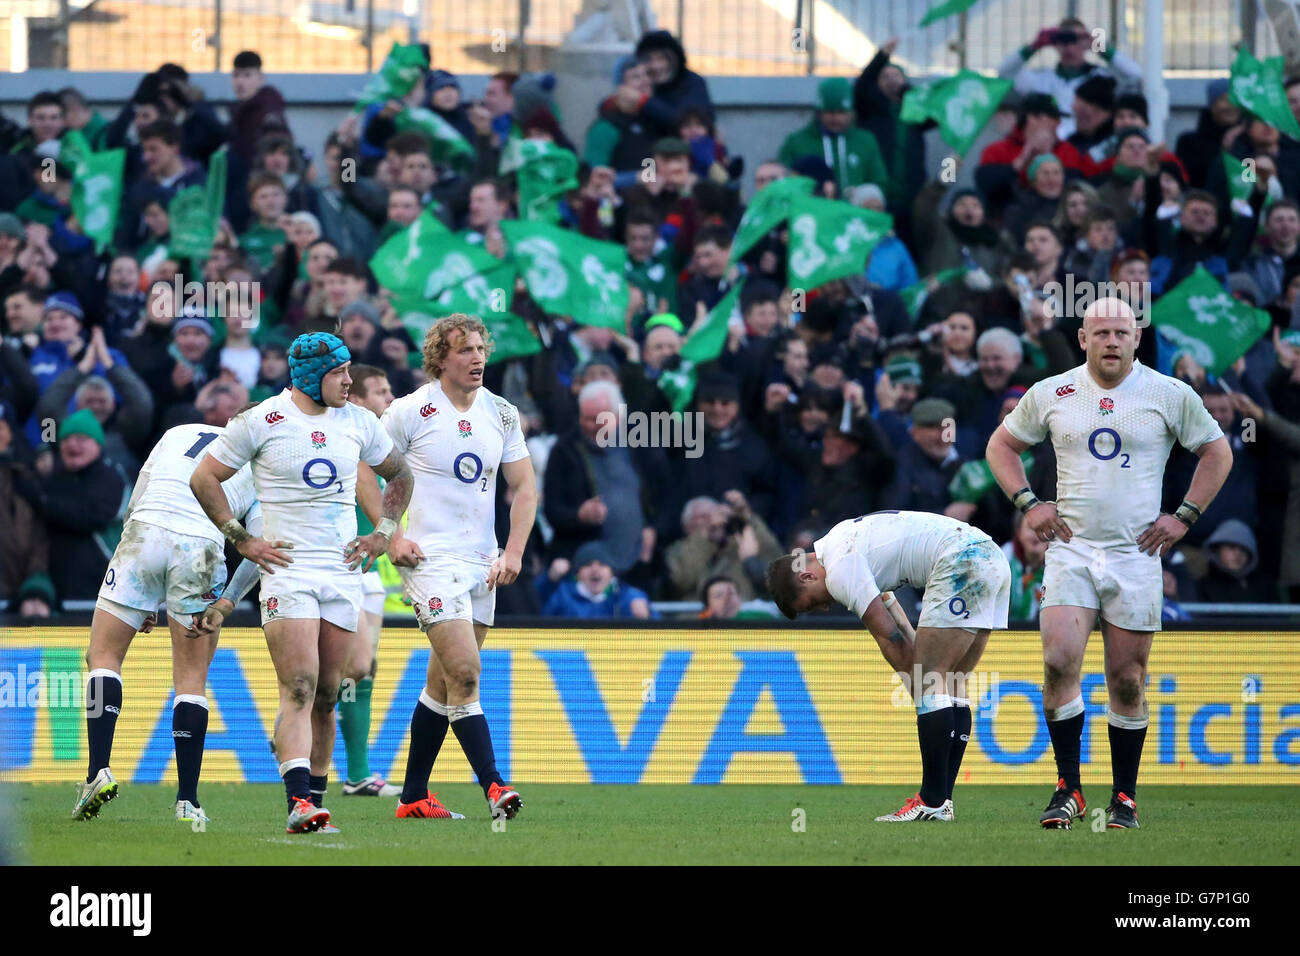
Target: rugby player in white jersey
{"points": [[457, 437], [1112, 422], [967, 585], [169, 554], [304, 445]]}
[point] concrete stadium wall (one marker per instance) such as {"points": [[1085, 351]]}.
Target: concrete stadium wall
{"points": [[755, 113]]}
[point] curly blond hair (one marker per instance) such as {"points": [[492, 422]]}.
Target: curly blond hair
{"points": [[437, 341]]}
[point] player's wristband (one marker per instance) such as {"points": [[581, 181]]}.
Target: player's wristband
{"points": [[1187, 513], [235, 532], [386, 527], [1024, 499]]}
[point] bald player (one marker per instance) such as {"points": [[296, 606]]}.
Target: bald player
{"points": [[1112, 422]]}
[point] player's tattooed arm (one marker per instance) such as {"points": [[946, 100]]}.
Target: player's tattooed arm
{"points": [[397, 492], [364, 551]]}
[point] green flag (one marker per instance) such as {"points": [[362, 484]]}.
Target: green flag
{"points": [[707, 340], [569, 274], [960, 104], [215, 186], [193, 230], [397, 75], [830, 239], [74, 149], [1200, 316], [545, 172], [449, 146], [425, 258], [678, 385], [487, 295], [511, 337], [195, 212], [97, 195], [1256, 86], [1239, 186], [914, 295], [96, 186], [769, 207], [946, 9]]}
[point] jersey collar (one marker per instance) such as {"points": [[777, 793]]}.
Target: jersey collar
{"points": [[1133, 373]]}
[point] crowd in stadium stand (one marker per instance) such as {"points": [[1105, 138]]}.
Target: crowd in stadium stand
{"points": [[810, 415]]}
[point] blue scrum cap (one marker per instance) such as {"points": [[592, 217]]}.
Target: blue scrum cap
{"points": [[312, 356]]}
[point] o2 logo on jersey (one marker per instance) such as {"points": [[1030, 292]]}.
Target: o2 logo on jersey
{"points": [[463, 425], [460, 467], [957, 607], [1106, 405], [317, 439], [1064, 390], [311, 480], [435, 606], [428, 410], [274, 418], [1115, 442]]}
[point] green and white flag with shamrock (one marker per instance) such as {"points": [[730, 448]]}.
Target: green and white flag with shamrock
{"points": [[830, 239], [425, 258], [1257, 87], [96, 186], [707, 339], [1200, 316], [704, 343], [569, 274], [487, 295], [449, 147], [397, 75], [767, 210], [545, 174], [960, 104]]}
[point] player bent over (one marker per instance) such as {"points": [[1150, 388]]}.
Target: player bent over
{"points": [[1112, 422], [967, 584], [304, 445], [169, 553], [457, 436]]}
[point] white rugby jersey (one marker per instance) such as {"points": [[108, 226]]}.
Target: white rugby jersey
{"points": [[1111, 446], [162, 493], [866, 556], [455, 457], [305, 471]]}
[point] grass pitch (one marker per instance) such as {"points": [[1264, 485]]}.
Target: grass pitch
{"points": [[656, 824]]}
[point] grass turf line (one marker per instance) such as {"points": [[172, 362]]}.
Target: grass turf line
{"points": [[658, 824]]}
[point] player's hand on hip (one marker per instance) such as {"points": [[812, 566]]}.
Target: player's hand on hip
{"points": [[1046, 523], [267, 555], [1161, 536], [149, 623], [405, 553], [364, 552], [505, 569]]}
